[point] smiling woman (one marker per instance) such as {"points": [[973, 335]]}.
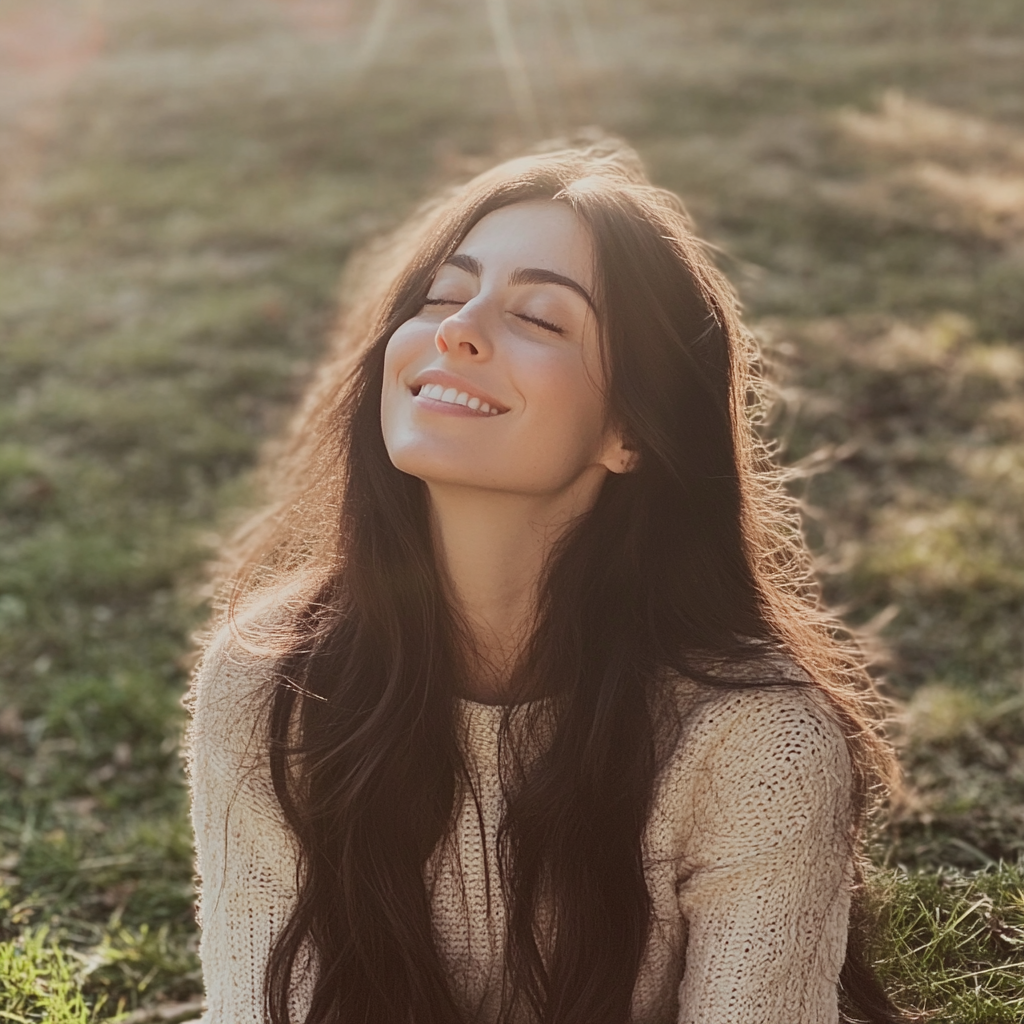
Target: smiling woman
{"points": [[522, 706], [494, 395]]}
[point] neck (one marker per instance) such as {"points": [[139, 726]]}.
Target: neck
{"points": [[494, 546]]}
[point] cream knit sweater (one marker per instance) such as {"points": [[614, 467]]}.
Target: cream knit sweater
{"points": [[748, 858]]}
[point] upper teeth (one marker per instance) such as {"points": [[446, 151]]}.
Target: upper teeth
{"points": [[455, 397]]}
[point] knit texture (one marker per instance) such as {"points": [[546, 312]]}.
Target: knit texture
{"points": [[748, 857]]}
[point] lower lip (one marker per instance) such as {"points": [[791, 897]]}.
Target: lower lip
{"points": [[451, 409]]}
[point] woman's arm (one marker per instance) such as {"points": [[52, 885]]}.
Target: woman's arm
{"points": [[244, 854], [768, 860]]}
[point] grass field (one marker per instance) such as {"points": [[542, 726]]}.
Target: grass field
{"points": [[180, 185]]}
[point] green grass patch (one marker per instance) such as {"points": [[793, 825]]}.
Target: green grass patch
{"points": [[38, 983], [952, 944]]}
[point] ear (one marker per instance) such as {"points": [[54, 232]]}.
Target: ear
{"points": [[617, 457]]}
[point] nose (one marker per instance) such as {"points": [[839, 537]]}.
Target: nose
{"points": [[461, 335]]}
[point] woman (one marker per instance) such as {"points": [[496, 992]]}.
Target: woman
{"points": [[523, 708]]}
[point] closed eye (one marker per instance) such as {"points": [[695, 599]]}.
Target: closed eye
{"points": [[546, 324], [541, 323]]}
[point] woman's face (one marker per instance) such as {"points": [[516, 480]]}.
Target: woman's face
{"points": [[497, 382]]}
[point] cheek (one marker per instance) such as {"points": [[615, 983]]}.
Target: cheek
{"points": [[400, 352], [567, 398], [405, 345]]}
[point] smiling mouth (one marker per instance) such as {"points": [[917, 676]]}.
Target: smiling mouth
{"points": [[452, 396]]}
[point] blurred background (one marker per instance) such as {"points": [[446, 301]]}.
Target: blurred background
{"points": [[180, 185]]}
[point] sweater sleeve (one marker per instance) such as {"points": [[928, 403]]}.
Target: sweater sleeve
{"points": [[245, 856], [767, 868]]}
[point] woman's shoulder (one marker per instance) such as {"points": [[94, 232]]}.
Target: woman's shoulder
{"points": [[246, 643], [718, 714], [231, 684], [770, 694], [777, 747], [238, 653]]}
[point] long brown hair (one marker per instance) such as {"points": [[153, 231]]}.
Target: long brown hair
{"points": [[694, 563]]}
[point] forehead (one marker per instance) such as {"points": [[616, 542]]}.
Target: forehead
{"points": [[540, 233]]}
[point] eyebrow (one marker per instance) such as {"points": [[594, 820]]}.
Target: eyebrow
{"points": [[523, 275]]}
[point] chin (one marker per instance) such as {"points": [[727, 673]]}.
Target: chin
{"points": [[441, 467]]}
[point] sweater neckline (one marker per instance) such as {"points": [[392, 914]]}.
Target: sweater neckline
{"points": [[481, 724]]}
